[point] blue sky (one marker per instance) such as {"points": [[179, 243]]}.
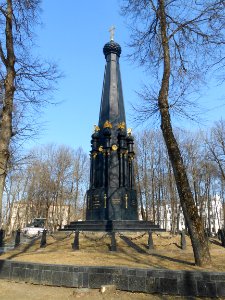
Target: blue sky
{"points": [[73, 34]]}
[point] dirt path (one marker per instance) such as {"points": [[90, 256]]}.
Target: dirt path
{"points": [[22, 291]]}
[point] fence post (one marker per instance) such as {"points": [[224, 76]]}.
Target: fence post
{"points": [[43, 239], [1, 237], [75, 244], [150, 241], [223, 237], [113, 241], [17, 238]]}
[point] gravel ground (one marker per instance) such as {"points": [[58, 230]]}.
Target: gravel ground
{"points": [[20, 291]]}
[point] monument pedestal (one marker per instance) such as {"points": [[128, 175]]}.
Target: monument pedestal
{"points": [[111, 204], [112, 225]]}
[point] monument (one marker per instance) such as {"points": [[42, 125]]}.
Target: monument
{"points": [[111, 197]]}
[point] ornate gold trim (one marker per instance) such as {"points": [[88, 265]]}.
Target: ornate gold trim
{"points": [[129, 131], [121, 125], [114, 147], [107, 124], [96, 128], [105, 198], [126, 201], [94, 155]]}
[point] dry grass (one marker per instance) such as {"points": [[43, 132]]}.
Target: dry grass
{"points": [[130, 252]]}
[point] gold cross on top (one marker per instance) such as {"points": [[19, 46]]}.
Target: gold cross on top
{"points": [[112, 32]]}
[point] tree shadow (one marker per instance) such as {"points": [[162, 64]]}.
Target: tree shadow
{"points": [[215, 242], [132, 245], [25, 249], [178, 246], [184, 262], [146, 246]]}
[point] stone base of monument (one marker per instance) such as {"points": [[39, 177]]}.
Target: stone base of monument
{"points": [[112, 226]]}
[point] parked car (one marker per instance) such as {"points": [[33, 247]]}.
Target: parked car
{"points": [[34, 228]]}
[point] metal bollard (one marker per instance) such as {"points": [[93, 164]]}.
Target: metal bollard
{"points": [[150, 245], [113, 242], [43, 239], [17, 238], [75, 244], [223, 237], [2, 233]]}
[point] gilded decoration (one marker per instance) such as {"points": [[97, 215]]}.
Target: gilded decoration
{"points": [[96, 202], [94, 155], [116, 201], [129, 131], [121, 125], [105, 198], [114, 147], [96, 128], [100, 149], [131, 156], [107, 124], [130, 159], [126, 201]]}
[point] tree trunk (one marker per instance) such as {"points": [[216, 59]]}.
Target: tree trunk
{"points": [[140, 195], [194, 222], [9, 88]]}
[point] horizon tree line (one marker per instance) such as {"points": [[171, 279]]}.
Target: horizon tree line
{"points": [[52, 179]]}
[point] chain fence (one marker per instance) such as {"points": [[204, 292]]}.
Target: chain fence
{"points": [[133, 238], [165, 237], [61, 238], [94, 239]]}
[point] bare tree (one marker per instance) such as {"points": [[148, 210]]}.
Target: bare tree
{"points": [[216, 147], [177, 40], [52, 185], [24, 80]]}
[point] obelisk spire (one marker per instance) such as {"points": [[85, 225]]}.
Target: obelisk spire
{"points": [[112, 104]]}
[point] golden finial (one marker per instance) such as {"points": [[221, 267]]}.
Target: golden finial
{"points": [[107, 124], [96, 128], [121, 125], [129, 131], [112, 32]]}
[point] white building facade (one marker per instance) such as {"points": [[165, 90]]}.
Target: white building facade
{"points": [[212, 214]]}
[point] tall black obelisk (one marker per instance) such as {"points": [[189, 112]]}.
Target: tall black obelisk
{"points": [[111, 195]]}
